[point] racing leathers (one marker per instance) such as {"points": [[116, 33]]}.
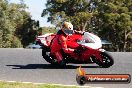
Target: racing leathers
{"points": [[59, 43]]}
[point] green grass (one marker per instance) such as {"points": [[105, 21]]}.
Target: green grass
{"points": [[30, 85]]}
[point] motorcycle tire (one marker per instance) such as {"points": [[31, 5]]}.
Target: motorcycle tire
{"points": [[46, 55], [107, 60]]}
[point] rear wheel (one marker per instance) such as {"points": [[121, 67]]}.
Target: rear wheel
{"points": [[47, 56], [107, 60]]}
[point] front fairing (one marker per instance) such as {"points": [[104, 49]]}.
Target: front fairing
{"points": [[90, 40]]}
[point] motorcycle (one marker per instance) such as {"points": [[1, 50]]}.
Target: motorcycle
{"points": [[88, 46]]}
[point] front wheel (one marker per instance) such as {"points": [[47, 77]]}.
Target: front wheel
{"points": [[107, 60]]}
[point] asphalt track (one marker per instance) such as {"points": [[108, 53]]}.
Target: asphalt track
{"points": [[27, 65]]}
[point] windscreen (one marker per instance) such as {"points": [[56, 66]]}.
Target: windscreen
{"points": [[87, 38]]}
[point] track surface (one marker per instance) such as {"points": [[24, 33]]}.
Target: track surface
{"points": [[27, 65]]}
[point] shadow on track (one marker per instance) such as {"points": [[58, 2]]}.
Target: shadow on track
{"points": [[47, 66]]}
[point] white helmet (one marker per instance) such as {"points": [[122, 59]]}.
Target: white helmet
{"points": [[67, 28]]}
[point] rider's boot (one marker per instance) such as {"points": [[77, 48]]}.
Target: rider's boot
{"points": [[60, 59], [62, 63]]}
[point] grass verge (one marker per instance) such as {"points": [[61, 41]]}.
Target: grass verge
{"points": [[30, 85]]}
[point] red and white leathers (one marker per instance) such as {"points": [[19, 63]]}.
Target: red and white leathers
{"points": [[58, 43]]}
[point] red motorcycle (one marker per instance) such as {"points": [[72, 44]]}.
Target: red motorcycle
{"points": [[88, 45]]}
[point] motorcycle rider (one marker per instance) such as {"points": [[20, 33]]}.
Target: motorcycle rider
{"points": [[59, 42]]}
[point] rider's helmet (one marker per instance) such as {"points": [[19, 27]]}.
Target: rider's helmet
{"points": [[67, 28]]}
